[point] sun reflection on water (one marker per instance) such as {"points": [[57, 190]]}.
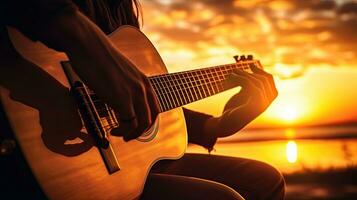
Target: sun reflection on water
{"points": [[291, 154], [290, 133], [291, 151]]}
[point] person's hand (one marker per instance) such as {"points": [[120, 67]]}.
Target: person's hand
{"points": [[106, 71], [138, 106], [257, 93]]}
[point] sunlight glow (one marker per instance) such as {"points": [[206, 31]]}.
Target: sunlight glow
{"points": [[310, 80], [166, 2], [291, 151], [289, 113], [284, 71], [290, 133]]}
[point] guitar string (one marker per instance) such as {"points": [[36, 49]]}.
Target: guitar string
{"points": [[112, 123], [110, 120], [210, 79], [190, 74], [213, 67], [202, 82], [199, 82], [210, 87], [176, 89], [192, 84], [207, 85], [200, 91]]}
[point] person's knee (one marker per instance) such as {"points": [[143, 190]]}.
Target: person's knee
{"points": [[163, 186], [211, 190], [220, 191], [273, 180], [275, 176]]}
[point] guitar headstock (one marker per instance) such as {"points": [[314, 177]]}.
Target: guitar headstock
{"points": [[249, 60]]}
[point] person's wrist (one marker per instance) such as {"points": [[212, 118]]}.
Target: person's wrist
{"points": [[210, 127]]}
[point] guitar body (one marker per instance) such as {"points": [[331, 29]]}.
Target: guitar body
{"points": [[34, 92]]}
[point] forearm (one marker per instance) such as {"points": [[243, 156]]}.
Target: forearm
{"points": [[197, 133], [91, 53], [228, 123]]}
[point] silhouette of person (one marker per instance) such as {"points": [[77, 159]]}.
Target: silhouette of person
{"points": [[79, 29]]}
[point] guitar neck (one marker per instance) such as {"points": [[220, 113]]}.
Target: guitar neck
{"points": [[181, 88], [172, 90]]}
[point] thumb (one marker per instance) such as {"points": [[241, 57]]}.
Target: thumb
{"points": [[123, 129]]}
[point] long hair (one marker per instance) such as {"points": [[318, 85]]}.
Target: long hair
{"points": [[110, 14]]}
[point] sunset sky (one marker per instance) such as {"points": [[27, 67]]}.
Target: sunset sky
{"points": [[309, 45]]}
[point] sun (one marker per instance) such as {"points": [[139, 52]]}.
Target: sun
{"points": [[289, 113]]}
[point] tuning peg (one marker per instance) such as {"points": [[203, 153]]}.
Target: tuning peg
{"points": [[236, 58], [250, 57], [242, 58]]}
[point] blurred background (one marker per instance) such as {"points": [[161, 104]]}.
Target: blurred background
{"points": [[310, 132]]}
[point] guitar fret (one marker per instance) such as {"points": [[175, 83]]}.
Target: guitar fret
{"points": [[191, 87], [205, 84], [181, 102], [177, 89], [169, 93], [188, 89], [201, 91], [184, 91], [198, 85], [173, 87], [211, 82], [163, 95], [155, 85], [197, 90], [202, 83], [180, 88], [171, 90], [172, 95], [216, 79], [206, 81]]}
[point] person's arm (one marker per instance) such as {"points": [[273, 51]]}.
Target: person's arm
{"points": [[100, 65], [106, 71], [195, 123], [257, 93]]}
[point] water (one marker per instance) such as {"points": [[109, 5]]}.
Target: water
{"points": [[292, 150], [291, 156], [318, 163]]}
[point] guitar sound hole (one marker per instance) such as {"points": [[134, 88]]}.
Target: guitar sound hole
{"points": [[150, 134]]}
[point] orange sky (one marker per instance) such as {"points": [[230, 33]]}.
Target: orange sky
{"points": [[308, 45]]}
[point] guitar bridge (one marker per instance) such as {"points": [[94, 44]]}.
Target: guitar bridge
{"points": [[91, 118]]}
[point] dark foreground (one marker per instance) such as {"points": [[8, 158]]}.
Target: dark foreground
{"points": [[334, 184]]}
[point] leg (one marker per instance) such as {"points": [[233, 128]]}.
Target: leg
{"points": [[174, 187], [252, 179]]}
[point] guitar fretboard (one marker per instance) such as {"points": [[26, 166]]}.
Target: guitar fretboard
{"points": [[172, 90], [181, 88]]}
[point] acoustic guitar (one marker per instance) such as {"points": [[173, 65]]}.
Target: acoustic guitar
{"points": [[62, 127]]}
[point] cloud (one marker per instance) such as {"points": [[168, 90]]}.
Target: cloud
{"points": [[324, 5], [349, 7], [294, 32]]}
